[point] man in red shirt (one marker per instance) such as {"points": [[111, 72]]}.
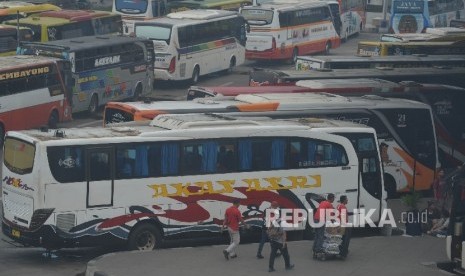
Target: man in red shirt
{"points": [[232, 220], [320, 216]]}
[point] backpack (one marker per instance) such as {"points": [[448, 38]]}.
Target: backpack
{"points": [[274, 233]]}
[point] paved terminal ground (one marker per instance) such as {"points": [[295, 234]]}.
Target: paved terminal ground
{"points": [[379, 255]]}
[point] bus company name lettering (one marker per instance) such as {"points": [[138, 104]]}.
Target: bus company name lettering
{"points": [[87, 79], [25, 73], [107, 60], [227, 186], [16, 182]]}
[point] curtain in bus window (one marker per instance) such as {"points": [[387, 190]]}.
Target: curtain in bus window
{"points": [[278, 147], [210, 155], [141, 166], [169, 159], [245, 154], [312, 147], [336, 155]]}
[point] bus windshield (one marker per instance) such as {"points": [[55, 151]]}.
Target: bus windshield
{"points": [[154, 32], [257, 17], [131, 6]]}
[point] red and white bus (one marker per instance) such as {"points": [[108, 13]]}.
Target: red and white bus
{"points": [[32, 92], [285, 29]]}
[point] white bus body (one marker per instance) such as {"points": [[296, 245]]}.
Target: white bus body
{"points": [[91, 186], [193, 43], [286, 29]]}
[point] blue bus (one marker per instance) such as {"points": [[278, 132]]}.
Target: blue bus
{"points": [[409, 16]]}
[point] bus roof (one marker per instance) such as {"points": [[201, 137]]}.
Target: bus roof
{"points": [[188, 17], [352, 83], [264, 102], [82, 43], [168, 125], [175, 126], [403, 59], [384, 73], [59, 17], [9, 62], [11, 7], [208, 4], [284, 5]]}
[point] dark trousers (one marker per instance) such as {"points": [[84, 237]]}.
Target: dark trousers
{"points": [[275, 246], [263, 240], [319, 238], [344, 248]]}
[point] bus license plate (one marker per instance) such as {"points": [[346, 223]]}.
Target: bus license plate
{"points": [[15, 233]]}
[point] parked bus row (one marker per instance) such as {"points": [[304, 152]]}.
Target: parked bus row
{"points": [[405, 129], [353, 62], [138, 185], [74, 75]]}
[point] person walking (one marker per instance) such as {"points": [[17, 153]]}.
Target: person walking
{"points": [[320, 215], [232, 220], [343, 219], [278, 241], [264, 238]]}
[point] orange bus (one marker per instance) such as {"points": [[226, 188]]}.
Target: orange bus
{"points": [[33, 92]]}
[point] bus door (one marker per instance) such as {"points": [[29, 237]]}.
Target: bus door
{"points": [[366, 147], [100, 177]]}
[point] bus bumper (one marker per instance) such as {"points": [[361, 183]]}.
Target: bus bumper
{"points": [[162, 74], [43, 237], [269, 54]]}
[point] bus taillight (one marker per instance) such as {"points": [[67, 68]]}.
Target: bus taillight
{"points": [[172, 67]]}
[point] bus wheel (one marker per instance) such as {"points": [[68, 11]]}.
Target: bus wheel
{"points": [[93, 106], [295, 53], [53, 119], [232, 64], [144, 237], [195, 75], [2, 134], [327, 48], [137, 93]]}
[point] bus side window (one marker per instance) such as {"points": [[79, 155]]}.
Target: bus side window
{"points": [[99, 166]]}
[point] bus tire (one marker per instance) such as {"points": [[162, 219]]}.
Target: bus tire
{"points": [[2, 134], [144, 237], [53, 119], [137, 93], [93, 106], [195, 75], [327, 48], [232, 64], [295, 53]]}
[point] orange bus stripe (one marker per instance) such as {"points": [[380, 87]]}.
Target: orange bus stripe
{"points": [[258, 107]]}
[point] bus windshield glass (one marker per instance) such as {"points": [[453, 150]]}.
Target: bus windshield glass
{"points": [[154, 32], [131, 6], [257, 17]]}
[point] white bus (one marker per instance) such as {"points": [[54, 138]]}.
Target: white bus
{"points": [[405, 128], [283, 30], [141, 184], [193, 43]]}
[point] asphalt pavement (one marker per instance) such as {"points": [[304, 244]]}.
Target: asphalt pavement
{"points": [[379, 255]]}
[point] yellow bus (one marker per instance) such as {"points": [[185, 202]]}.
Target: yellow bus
{"points": [[11, 9], [63, 24], [381, 48], [9, 38]]}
